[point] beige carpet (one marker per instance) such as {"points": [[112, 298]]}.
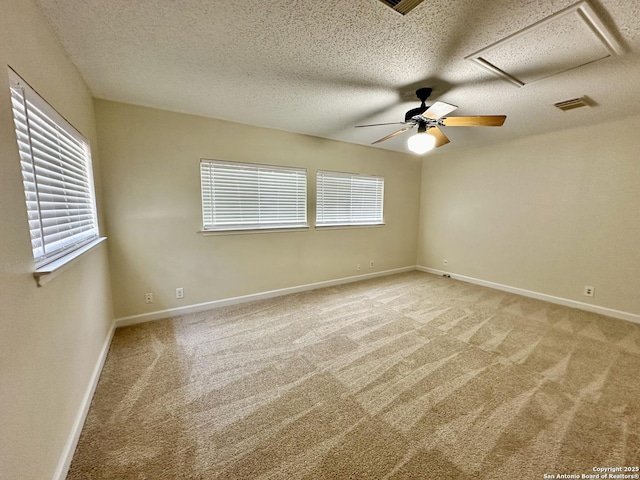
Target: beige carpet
{"points": [[402, 377]]}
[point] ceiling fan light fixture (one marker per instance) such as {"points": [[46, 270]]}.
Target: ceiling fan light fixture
{"points": [[429, 119], [421, 143]]}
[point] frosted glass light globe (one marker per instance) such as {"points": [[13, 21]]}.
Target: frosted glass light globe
{"points": [[421, 143]]}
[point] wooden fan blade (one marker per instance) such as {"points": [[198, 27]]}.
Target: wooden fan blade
{"points": [[391, 135], [441, 138], [378, 124], [439, 109], [478, 121]]}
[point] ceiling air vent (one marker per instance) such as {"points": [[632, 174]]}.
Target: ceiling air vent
{"points": [[402, 6], [573, 103]]}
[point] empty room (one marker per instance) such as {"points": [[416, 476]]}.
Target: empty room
{"points": [[374, 239]]}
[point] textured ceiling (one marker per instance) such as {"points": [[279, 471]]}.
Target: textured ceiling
{"points": [[321, 67]]}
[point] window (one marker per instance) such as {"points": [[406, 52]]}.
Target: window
{"points": [[348, 199], [246, 196], [57, 177]]}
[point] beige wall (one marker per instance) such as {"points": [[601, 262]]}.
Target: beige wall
{"points": [[150, 171], [550, 214], [50, 337]]}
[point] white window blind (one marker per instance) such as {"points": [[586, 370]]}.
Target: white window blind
{"points": [[245, 196], [349, 199], [57, 176]]}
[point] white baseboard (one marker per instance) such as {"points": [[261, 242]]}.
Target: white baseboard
{"points": [[199, 307], [74, 435], [632, 317]]}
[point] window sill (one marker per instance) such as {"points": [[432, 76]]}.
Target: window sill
{"points": [[211, 233], [343, 227], [50, 271]]}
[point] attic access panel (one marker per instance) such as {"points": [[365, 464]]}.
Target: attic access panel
{"points": [[568, 39]]}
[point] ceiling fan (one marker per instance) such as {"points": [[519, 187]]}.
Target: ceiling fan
{"points": [[429, 119]]}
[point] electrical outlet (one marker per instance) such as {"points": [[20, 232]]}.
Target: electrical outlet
{"points": [[179, 292], [445, 261], [148, 298], [371, 264], [358, 268], [588, 291]]}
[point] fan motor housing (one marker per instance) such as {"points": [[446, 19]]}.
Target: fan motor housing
{"points": [[415, 111]]}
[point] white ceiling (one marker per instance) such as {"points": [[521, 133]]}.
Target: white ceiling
{"points": [[320, 67]]}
